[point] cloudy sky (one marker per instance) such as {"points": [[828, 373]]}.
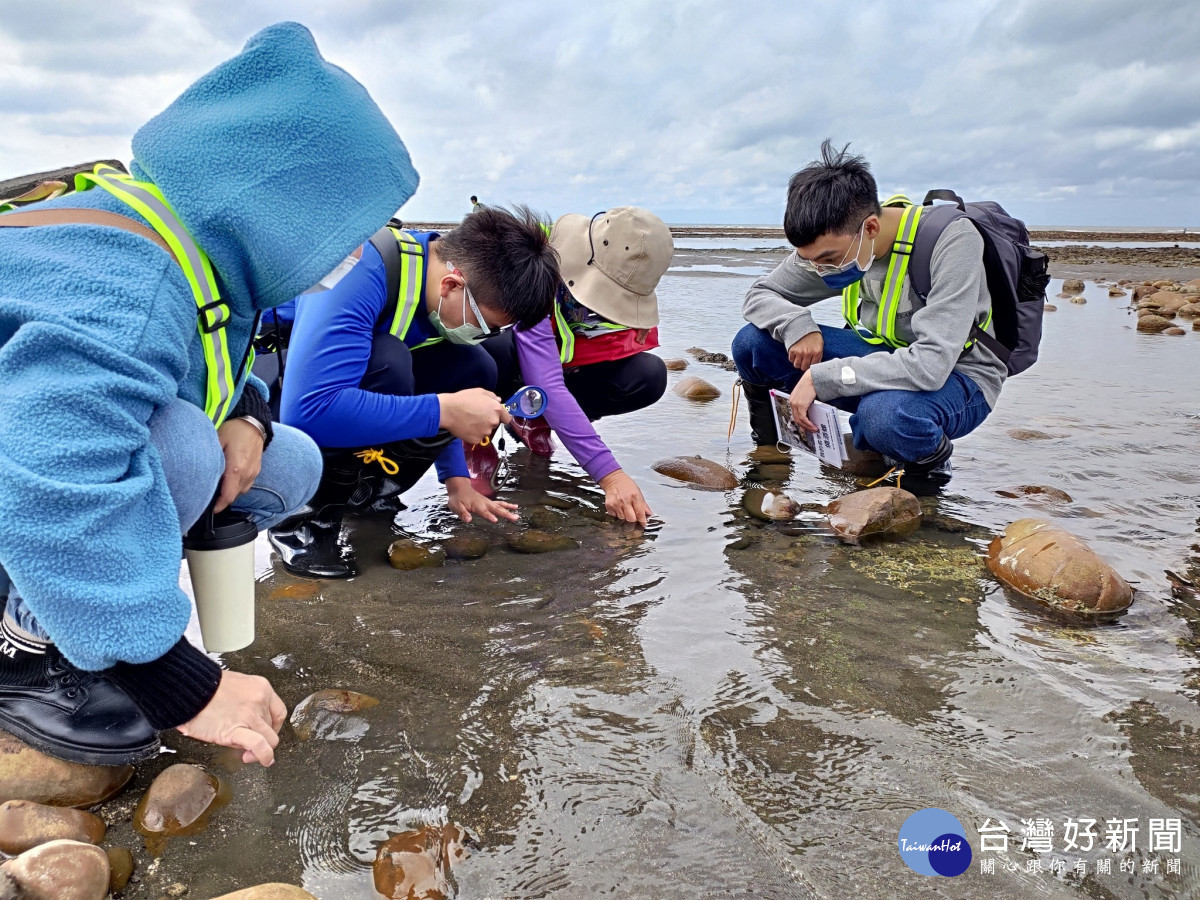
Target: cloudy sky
{"points": [[1069, 112]]}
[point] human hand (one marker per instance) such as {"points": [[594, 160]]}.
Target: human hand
{"points": [[242, 445], [244, 713], [466, 502], [471, 415], [801, 398], [623, 498], [807, 351]]}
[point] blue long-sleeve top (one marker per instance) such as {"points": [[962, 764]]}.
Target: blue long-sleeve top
{"points": [[327, 357], [279, 164]]}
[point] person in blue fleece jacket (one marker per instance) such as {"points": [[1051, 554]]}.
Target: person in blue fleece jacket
{"points": [[390, 385], [279, 164]]}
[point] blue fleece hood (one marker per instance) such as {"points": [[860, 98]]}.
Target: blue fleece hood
{"points": [[271, 151]]}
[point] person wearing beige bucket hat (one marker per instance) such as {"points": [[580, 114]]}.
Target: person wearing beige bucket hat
{"points": [[590, 353]]}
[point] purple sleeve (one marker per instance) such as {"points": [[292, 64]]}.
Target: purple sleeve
{"points": [[537, 352]]}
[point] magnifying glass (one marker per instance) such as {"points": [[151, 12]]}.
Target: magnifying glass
{"points": [[527, 403]]}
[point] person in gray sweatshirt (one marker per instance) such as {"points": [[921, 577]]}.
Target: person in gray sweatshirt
{"points": [[905, 367]]}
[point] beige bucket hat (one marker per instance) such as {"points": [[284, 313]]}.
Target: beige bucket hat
{"points": [[611, 263]]}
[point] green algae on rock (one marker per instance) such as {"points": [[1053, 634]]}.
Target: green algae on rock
{"points": [[537, 541], [406, 555], [466, 546]]}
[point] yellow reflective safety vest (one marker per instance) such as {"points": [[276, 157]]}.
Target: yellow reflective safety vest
{"points": [[213, 313], [408, 276], [566, 332], [884, 330]]}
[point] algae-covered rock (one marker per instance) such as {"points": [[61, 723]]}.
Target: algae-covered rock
{"points": [[1030, 434], [1042, 491], [769, 506], [692, 388], [675, 365], [120, 868], [1049, 564], [697, 471], [545, 517], [406, 555], [329, 715], [27, 774], [273, 891], [537, 541], [24, 824], [61, 870], [882, 512], [417, 864], [1153, 324], [179, 801], [466, 546]]}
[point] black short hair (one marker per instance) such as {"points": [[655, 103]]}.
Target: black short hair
{"points": [[507, 260], [830, 195], [474, 198]]}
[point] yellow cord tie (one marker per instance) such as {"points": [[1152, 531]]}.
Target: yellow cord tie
{"points": [[898, 471], [737, 391], [373, 455]]}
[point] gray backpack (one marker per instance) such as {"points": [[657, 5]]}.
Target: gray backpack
{"points": [[1017, 274]]}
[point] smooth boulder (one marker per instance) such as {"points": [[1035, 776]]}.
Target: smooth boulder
{"points": [[329, 715], [120, 868], [273, 891], [1153, 324], [406, 555], [693, 388], [1169, 300], [416, 864], [61, 870], [24, 825], [1079, 300], [27, 774], [537, 541], [1049, 564], [882, 512], [1073, 286], [179, 801], [675, 365], [697, 471], [466, 546], [1189, 311]]}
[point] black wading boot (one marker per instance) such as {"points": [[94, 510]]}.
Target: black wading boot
{"points": [[934, 470], [67, 712], [379, 496], [762, 419], [310, 544]]}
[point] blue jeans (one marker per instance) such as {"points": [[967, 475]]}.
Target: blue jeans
{"points": [[193, 463], [905, 425]]}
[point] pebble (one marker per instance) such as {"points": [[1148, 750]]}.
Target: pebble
{"points": [[328, 715], [1079, 300], [273, 891], [769, 506], [1050, 307], [27, 774], [537, 541], [24, 824], [1041, 490], [120, 868], [697, 471], [415, 864], [1115, 292], [61, 870], [692, 388], [466, 546], [179, 801], [1049, 564], [406, 555], [882, 512], [675, 365]]}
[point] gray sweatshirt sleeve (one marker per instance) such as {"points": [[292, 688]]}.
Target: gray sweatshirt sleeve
{"points": [[776, 302], [941, 327]]}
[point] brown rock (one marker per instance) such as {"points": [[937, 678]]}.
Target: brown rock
{"points": [[1153, 324], [329, 715], [1049, 564], [1189, 311], [179, 801], [466, 546], [1142, 290], [62, 870], [1039, 490], [1115, 292], [1154, 311], [1079, 300], [693, 388], [770, 506], [697, 471], [697, 351], [1196, 324], [273, 891], [1050, 307], [1168, 300], [1174, 331], [120, 868], [675, 365], [1194, 283], [24, 824], [536, 541], [406, 555], [1073, 286], [26, 774], [882, 512], [1030, 434], [416, 864]]}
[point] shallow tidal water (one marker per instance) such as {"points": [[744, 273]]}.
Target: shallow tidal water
{"points": [[660, 714]]}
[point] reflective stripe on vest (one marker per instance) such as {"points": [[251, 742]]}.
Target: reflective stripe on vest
{"points": [[893, 283], [214, 314], [566, 332], [408, 295]]}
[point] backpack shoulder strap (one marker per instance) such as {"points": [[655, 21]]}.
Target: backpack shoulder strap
{"points": [[384, 241], [934, 221], [63, 216]]}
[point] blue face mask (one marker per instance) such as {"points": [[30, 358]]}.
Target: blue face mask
{"points": [[852, 272]]}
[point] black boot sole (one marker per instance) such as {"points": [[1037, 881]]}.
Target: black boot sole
{"points": [[77, 753]]}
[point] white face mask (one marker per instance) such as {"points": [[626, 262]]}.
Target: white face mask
{"points": [[340, 271]]}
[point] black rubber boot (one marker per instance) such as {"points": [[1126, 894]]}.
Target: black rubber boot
{"points": [[934, 469], [66, 712], [310, 544], [762, 420], [413, 459]]}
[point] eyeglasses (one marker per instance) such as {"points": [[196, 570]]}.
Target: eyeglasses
{"points": [[832, 268], [487, 329]]}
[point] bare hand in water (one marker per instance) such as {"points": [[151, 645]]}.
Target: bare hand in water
{"points": [[244, 713]]}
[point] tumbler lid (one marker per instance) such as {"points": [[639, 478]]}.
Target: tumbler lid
{"points": [[222, 531]]}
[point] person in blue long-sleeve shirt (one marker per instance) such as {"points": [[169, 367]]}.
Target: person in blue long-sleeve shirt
{"points": [[389, 385]]}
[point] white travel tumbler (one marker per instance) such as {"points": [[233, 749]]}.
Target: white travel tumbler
{"points": [[220, 557]]}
